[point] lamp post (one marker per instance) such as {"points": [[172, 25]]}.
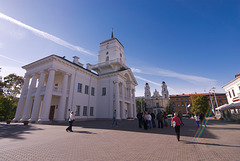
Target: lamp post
{"points": [[214, 97]]}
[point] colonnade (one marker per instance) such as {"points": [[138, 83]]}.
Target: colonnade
{"points": [[131, 107], [34, 103]]}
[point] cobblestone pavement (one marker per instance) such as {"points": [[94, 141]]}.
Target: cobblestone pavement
{"points": [[97, 140]]}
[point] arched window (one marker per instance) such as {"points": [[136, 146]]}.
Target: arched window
{"points": [[107, 53], [107, 58]]}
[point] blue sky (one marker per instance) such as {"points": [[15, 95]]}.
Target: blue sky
{"points": [[191, 45]]}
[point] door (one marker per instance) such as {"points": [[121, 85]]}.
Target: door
{"points": [[51, 114]]}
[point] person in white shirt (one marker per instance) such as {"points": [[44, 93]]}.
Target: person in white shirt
{"points": [[149, 118], [70, 120], [197, 119]]}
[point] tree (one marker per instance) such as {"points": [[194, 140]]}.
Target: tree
{"points": [[13, 85], [141, 105], [199, 104], [8, 107], [10, 88], [170, 109]]}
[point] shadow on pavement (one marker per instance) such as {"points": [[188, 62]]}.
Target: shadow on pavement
{"points": [[189, 129], [84, 132], [15, 131], [212, 144]]}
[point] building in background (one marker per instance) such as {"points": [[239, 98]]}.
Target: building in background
{"points": [[156, 102], [182, 103], [55, 86]]}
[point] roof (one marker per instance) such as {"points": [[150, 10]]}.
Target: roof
{"points": [[197, 94], [114, 38]]}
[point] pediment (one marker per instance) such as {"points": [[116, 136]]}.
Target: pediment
{"points": [[129, 75]]}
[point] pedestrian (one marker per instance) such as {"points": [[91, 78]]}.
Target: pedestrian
{"points": [[140, 119], [176, 124], [197, 119], [201, 116], [71, 119], [180, 116], [149, 118], [153, 120], [114, 122], [165, 116], [145, 122], [160, 119]]}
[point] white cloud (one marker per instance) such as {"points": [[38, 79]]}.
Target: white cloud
{"points": [[167, 73], [5, 57], [46, 35], [155, 83]]}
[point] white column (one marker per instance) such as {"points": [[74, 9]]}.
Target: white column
{"points": [[47, 97], [37, 100], [62, 103], [70, 96], [131, 102], [117, 101], [134, 105], [20, 106], [29, 100]]}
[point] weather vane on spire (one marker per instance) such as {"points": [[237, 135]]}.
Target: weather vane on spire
{"points": [[112, 33]]}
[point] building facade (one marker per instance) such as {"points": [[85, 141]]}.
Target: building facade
{"points": [[54, 86], [156, 102], [233, 90], [182, 103]]}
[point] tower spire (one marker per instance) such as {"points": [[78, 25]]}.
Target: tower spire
{"points": [[112, 33]]}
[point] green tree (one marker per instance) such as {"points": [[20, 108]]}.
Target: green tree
{"points": [[199, 104], [170, 109], [141, 105], [9, 89], [8, 107], [13, 85]]}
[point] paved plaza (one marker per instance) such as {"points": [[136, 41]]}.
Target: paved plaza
{"points": [[97, 140]]}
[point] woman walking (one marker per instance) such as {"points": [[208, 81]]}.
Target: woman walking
{"points": [[70, 120], [176, 122]]}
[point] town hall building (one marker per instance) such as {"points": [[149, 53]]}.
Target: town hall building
{"points": [[54, 86]]}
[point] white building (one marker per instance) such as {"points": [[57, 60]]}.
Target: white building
{"points": [[233, 90], [55, 86], [156, 102]]}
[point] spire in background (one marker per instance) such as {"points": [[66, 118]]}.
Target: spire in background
{"points": [[112, 33]]}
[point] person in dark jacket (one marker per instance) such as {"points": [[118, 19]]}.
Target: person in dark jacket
{"points": [[140, 119], [153, 120], [160, 119]]}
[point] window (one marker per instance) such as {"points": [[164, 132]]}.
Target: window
{"points": [[77, 110], [86, 89], [233, 93], [182, 100], [91, 111], [173, 104], [92, 91], [85, 111], [182, 104], [178, 105], [177, 99], [224, 98], [106, 53], [157, 104], [164, 89], [104, 92], [165, 96], [186, 99], [120, 54], [230, 94], [107, 58], [219, 98], [79, 88], [173, 100]]}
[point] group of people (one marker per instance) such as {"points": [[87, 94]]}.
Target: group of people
{"points": [[147, 120]]}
